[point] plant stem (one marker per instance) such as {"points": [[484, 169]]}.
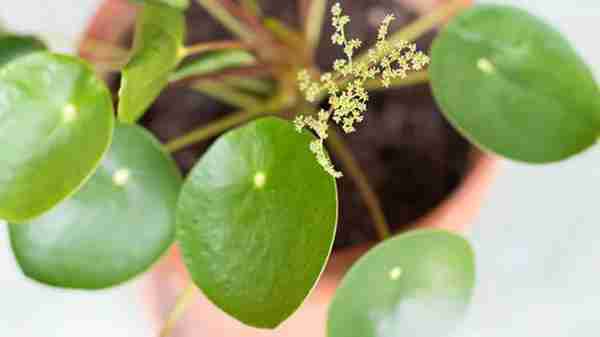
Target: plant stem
{"points": [[422, 25], [226, 94], [242, 13], [284, 33], [248, 72], [210, 130], [229, 21], [104, 56], [274, 105], [351, 166], [258, 86], [105, 67], [252, 6], [313, 23], [413, 78], [101, 50], [210, 46], [428, 22], [178, 310]]}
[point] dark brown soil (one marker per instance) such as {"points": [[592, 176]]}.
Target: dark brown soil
{"points": [[412, 156]]}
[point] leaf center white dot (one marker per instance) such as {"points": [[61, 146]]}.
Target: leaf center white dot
{"points": [[486, 65], [69, 113], [260, 179], [395, 273], [121, 176]]}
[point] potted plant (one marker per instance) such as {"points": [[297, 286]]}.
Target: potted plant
{"points": [[93, 202]]}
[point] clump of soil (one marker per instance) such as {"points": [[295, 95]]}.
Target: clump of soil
{"points": [[411, 155]]}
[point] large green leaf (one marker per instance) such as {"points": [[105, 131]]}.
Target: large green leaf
{"points": [[56, 122], [157, 47], [256, 221], [114, 228], [213, 62], [14, 46], [514, 85], [418, 284], [178, 4]]}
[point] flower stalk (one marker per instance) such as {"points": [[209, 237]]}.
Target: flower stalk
{"points": [[386, 62]]}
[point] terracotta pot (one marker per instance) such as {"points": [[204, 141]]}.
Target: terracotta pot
{"points": [[163, 284]]}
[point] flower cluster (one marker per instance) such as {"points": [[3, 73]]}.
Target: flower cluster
{"points": [[348, 97]]}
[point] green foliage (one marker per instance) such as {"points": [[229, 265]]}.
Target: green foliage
{"points": [[256, 221], [213, 62], [178, 4], [416, 284], [158, 49], [56, 122], [348, 104], [256, 217], [15, 46], [114, 228], [514, 85]]}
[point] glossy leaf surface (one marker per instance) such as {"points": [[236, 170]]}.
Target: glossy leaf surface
{"points": [[157, 48], [56, 122], [114, 228], [256, 221], [512, 84], [417, 284]]}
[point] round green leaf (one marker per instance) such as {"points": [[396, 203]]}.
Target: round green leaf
{"points": [[157, 48], [418, 284], [14, 46], [56, 122], [114, 228], [514, 85], [256, 221], [213, 62]]}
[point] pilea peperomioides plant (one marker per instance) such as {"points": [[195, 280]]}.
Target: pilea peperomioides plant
{"points": [[93, 201]]}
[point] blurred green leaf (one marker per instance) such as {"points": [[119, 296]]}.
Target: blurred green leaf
{"points": [[514, 85], [56, 122], [178, 4], [256, 221], [418, 284], [157, 50], [14, 46], [114, 228], [213, 62]]}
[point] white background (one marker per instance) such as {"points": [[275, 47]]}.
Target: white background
{"points": [[537, 237]]}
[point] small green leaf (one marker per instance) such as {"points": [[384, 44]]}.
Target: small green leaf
{"points": [[178, 4], [14, 46], [158, 46], [514, 85], [114, 228], [56, 122], [418, 284], [256, 221], [213, 62]]}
